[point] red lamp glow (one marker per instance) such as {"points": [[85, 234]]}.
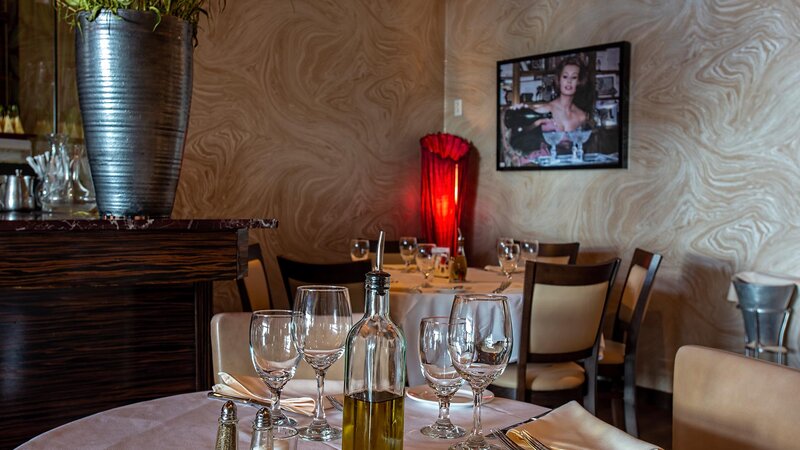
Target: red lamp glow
{"points": [[444, 167]]}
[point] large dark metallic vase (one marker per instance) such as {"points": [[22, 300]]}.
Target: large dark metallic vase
{"points": [[135, 87]]}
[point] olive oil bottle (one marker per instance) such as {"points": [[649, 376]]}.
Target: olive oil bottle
{"points": [[375, 371]]}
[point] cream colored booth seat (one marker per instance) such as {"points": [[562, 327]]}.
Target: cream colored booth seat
{"points": [[230, 349], [722, 400]]}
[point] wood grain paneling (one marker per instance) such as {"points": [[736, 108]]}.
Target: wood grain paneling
{"points": [[713, 162]]}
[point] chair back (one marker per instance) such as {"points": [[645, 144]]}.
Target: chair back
{"points": [[724, 400], [563, 309], [635, 298], [349, 274], [230, 349], [254, 288], [765, 310], [391, 252], [558, 253]]}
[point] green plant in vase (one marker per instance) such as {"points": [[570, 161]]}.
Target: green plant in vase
{"points": [[188, 10]]}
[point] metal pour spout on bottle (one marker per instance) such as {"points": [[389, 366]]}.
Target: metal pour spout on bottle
{"points": [[375, 377]]}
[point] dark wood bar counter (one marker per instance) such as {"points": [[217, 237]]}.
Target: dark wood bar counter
{"points": [[96, 314]]}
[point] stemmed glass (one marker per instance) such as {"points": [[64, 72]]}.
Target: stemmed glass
{"points": [[479, 341], [438, 370], [582, 136], [425, 261], [553, 138], [508, 256], [528, 250], [275, 355], [359, 249], [408, 246], [321, 323]]}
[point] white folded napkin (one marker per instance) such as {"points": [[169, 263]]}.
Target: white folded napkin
{"points": [[497, 269], [244, 386], [572, 427]]}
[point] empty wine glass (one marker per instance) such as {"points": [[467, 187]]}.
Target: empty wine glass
{"points": [[508, 257], [408, 246], [425, 261], [275, 355], [479, 341], [553, 138], [321, 325], [441, 376], [359, 249], [528, 250]]}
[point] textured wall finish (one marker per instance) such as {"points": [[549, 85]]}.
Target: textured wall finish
{"points": [[713, 170], [311, 112]]}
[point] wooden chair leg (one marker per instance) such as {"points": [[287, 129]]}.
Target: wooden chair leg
{"points": [[629, 396], [617, 414]]}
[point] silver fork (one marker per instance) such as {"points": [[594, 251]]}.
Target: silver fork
{"points": [[337, 405], [532, 441], [507, 442], [503, 286]]}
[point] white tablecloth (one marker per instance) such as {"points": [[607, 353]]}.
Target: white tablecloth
{"points": [[407, 309], [189, 421], [792, 340]]}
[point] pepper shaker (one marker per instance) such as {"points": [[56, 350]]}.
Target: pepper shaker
{"points": [[226, 432], [262, 431]]}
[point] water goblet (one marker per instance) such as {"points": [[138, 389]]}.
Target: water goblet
{"points": [[528, 250], [275, 355], [508, 257], [441, 376], [359, 249], [321, 324], [479, 341], [425, 261], [408, 246]]}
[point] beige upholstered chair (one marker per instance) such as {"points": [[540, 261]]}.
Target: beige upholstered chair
{"points": [[558, 253], [254, 287], [723, 400], [230, 349], [619, 357], [562, 316]]}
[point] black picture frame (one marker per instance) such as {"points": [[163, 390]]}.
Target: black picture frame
{"points": [[587, 127]]}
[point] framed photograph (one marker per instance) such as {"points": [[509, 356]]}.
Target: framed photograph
{"points": [[564, 110]]}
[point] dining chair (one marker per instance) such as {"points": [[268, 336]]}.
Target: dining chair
{"points": [[725, 400], [230, 349], [558, 253], [254, 287], [765, 311], [391, 252], [619, 356], [562, 317], [350, 274]]}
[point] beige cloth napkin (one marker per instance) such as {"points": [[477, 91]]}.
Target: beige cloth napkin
{"points": [[497, 269], [244, 386], [387, 266], [571, 427]]}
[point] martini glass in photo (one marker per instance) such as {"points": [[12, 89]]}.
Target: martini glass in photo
{"points": [[508, 257], [425, 261], [583, 135], [321, 325], [408, 247], [275, 355], [528, 250], [359, 249], [553, 138], [479, 340], [441, 376]]}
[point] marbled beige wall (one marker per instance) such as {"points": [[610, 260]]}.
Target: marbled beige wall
{"points": [[714, 166], [311, 112]]}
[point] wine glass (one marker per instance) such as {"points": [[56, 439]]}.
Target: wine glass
{"points": [[321, 324], [408, 246], [441, 376], [583, 136], [528, 250], [508, 256], [479, 341], [425, 261], [553, 138], [275, 355], [359, 249]]}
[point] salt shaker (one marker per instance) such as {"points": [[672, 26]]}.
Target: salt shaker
{"points": [[262, 431], [226, 432]]}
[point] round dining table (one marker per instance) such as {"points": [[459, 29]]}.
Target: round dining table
{"points": [[189, 421], [409, 304]]}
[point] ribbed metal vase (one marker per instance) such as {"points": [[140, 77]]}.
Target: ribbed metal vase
{"points": [[134, 87]]}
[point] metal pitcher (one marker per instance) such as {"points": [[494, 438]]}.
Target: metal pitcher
{"points": [[18, 192]]}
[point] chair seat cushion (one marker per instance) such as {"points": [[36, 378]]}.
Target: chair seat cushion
{"points": [[544, 377], [613, 353]]}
